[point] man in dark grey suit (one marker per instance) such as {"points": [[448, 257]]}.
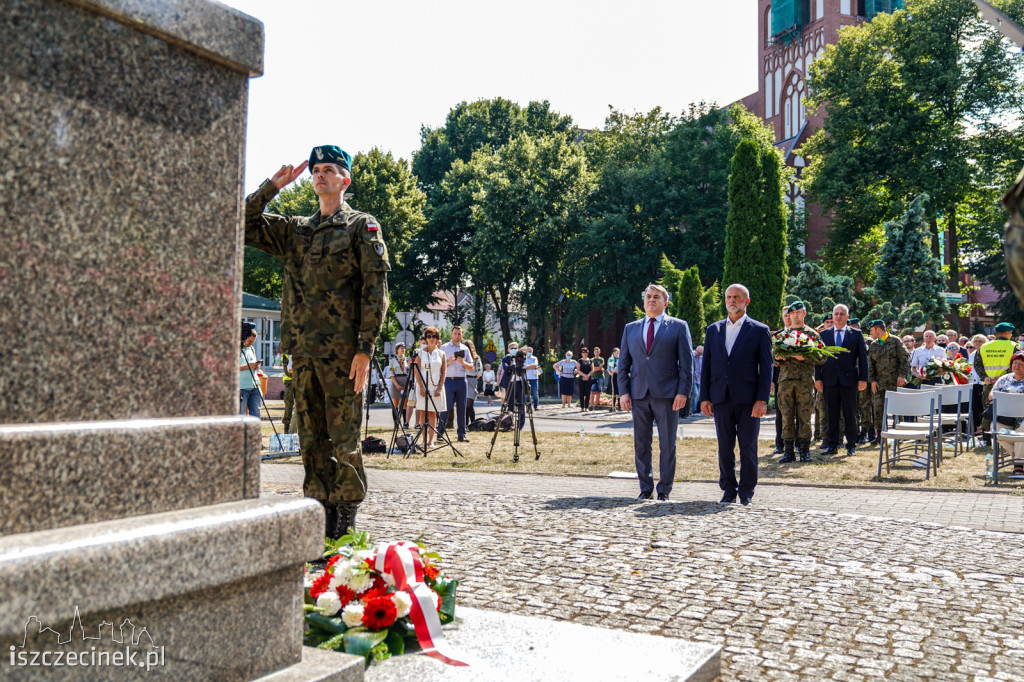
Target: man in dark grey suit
{"points": [[655, 375], [734, 387]]}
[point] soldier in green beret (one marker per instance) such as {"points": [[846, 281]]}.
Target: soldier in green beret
{"points": [[795, 393], [333, 306], [888, 364]]}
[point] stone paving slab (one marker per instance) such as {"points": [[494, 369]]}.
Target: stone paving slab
{"points": [[987, 511]]}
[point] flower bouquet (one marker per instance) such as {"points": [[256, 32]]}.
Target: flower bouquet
{"points": [[950, 371], [789, 343], [375, 601]]}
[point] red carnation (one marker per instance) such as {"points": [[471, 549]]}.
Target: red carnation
{"points": [[379, 613], [320, 585]]}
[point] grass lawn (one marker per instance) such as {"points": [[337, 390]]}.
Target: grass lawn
{"points": [[599, 455]]}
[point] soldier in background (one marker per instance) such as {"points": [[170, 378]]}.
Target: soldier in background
{"points": [[333, 305], [888, 365], [820, 417], [795, 393], [779, 447]]}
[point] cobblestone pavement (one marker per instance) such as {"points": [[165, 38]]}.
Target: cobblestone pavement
{"points": [[791, 594]]}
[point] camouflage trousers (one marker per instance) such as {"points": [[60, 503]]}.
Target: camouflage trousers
{"points": [[289, 403], [865, 409], [329, 414], [795, 400], [878, 404], [820, 416]]}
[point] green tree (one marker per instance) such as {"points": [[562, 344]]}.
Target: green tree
{"points": [[755, 243], [689, 303], [906, 272], [921, 100], [813, 285]]}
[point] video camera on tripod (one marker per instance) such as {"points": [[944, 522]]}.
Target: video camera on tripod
{"points": [[518, 362]]}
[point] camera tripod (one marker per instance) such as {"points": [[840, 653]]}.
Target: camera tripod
{"points": [[408, 442], [515, 403]]}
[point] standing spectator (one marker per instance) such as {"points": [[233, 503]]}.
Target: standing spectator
{"points": [[698, 365], [941, 340], [657, 370], [597, 377], [472, 377], [953, 351], [888, 364], [586, 371], [505, 368], [613, 376], [909, 343], [734, 390], [993, 361], [490, 381], [977, 384], [457, 361], [532, 367], [566, 377], [841, 379], [923, 355], [248, 391], [432, 362], [1012, 382], [399, 368]]}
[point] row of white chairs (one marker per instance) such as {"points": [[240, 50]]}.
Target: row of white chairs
{"points": [[913, 424]]}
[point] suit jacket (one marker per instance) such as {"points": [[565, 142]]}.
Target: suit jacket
{"points": [[743, 376], [848, 368], [666, 371]]}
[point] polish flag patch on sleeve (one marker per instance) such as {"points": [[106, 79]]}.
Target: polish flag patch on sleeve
{"points": [[372, 226]]}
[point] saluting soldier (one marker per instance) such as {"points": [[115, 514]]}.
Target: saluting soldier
{"points": [[795, 393], [333, 306], [888, 364]]}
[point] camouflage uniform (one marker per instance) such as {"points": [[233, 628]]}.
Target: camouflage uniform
{"points": [[888, 361], [333, 306], [795, 397], [820, 416], [289, 393]]}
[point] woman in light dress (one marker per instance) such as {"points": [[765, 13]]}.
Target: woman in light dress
{"points": [[431, 399]]}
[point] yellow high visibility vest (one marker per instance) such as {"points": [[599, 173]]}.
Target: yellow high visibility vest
{"points": [[284, 365], [996, 356]]}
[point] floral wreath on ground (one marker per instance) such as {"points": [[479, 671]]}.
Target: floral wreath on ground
{"points": [[371, 600], [789, 343]]}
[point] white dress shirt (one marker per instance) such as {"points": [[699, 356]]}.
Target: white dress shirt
{"points": [[648, 320], [732, 330]]}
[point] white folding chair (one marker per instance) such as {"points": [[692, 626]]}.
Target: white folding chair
{"points": [[914, 421], [959, 395], [898, 435], [1005, 405]]}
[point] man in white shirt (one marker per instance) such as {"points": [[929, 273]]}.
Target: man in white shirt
{"points": [[458, 359], [923, 355]]}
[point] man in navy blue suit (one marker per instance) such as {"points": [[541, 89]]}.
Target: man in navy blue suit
{"points": [[655, 375], [841, 378], [734, 386]]}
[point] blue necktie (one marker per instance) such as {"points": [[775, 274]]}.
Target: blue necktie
{"points": [[839, 338]]}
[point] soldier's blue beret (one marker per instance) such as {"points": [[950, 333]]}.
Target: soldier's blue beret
{"points": [[330, 153], [1004, 327], [795, 305]]}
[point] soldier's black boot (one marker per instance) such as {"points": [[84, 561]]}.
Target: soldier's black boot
{"points": [[804, 447], [345, 519], [789, 456], [862, 437], [331, 520], [778, 447]]}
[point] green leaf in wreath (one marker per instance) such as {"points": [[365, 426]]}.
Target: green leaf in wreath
{"points": [[359, 641], [315, 637], [395, 641], [335, 643], [333, 625]]}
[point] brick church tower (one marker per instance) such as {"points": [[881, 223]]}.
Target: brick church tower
{"points": [[791, 35]]}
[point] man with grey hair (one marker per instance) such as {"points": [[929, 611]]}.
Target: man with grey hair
{"points": [[655, 373], [735, 381], [842, 378]]}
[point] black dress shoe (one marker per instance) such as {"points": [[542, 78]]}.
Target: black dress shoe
{"points": [[787, 458], [831, 451], [663, 497], [643, 496], [463, 439], [745, 501], [851, 451], [728, 498]]}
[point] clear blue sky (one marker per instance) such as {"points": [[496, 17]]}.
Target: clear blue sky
{"points": [[371, 74]]}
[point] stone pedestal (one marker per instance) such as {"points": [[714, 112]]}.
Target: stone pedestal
{"points": [[129, 510]]}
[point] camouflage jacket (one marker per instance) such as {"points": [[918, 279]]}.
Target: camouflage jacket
{"points": [[887, 360], [799, 370], [335, 276]]}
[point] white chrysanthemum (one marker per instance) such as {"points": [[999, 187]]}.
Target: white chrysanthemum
{"points": [[329, 602], [359, 557], [388, 579], [360, 583], [789, 341], [352, 615], [403, 604]]}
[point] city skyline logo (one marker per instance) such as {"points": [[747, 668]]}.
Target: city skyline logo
{"points": [[123, 645]]}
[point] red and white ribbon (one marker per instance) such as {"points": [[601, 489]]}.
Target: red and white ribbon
{"points": [[402, 560]]}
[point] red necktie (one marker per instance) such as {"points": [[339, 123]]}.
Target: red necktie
{"points": [[650, 333]]}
